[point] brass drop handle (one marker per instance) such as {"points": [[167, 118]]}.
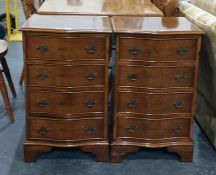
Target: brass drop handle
{"points": [[90, 75], [42, 48], [89, 129], [43, 130], [132, 76], [132, 128], [182, 51], [134, 50], [179, 77], [132, 103], [176, 129], [178, 104], [42, 75], [89, 102], [91, 49], [42, 103]]}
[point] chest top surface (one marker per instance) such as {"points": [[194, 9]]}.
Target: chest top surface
{"points": [[154, 25], [68, 24], [100, 7]]}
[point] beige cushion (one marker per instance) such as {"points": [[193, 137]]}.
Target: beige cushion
{"points": [[207, 5], [203, 19]]}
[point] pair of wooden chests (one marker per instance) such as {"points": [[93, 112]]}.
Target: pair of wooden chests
{"points": [[68, 84]]}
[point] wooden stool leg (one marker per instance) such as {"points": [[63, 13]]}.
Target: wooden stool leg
{"points": [[22, 77], [6, 98], [8, 76]]}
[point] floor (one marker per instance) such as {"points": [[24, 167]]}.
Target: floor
{"points": [[73, 161]]}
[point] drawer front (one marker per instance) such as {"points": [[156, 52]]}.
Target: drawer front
{"points": [[65, 130], [157, 49], [65, 76], [153, 129], [154, 103], [156, 77], [65, 48], [64, 103]]}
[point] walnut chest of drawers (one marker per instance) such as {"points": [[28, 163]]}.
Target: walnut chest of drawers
{"points": [[154, 87], [66, 68]]}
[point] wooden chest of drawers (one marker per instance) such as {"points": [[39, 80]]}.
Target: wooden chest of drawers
{"points": [[154, 87], [66, 67]]}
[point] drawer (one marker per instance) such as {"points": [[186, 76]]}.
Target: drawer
{"points": [[153, 129], [68, 48], [64, 103], [148, 49], [154, 103], [156, 77], [65, 75], [65, 130]]}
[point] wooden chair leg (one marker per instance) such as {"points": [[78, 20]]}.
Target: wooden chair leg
{"points": [[22, 77], [3, 89], [8, 76]]}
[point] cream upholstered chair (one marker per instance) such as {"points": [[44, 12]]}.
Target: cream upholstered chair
{"points": [[203, 14]]}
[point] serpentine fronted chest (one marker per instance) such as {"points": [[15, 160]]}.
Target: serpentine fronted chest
{"points": [[154, 88], [66, 88]]}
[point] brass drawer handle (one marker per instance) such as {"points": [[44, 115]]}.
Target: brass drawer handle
{"points": [[91, 49], [90, 75], [132, 76], [178, 104], [179, 77], [182, 51], [42, 48], [132, 103], [42, 103], [43, 130], [42, 75], [177, 129], [134, 50], [132, 128], [89, 102], [89, 129]]}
